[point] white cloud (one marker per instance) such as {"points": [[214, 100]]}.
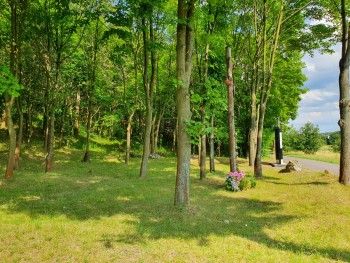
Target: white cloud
{"points": [[319, 95], [320, 104]]}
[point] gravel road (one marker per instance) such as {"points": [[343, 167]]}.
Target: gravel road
{"points": [[314, 165]]}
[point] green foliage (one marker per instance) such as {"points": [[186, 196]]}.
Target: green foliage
{"points": [[334, 140], [308, 139], [8, 83], [247, 182], [291, 139]]}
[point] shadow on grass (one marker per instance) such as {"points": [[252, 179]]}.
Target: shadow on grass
{"points": [[308, 183], [83, 191]]}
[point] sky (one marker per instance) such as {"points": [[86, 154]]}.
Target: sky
{"points": [[320, 104]]}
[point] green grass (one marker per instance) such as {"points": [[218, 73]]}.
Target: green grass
{"points": [[325, 154], [102, 212]]}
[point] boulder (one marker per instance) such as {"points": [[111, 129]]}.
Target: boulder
{"points": [[293, 166]]}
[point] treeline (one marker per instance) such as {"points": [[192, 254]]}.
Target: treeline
{"points": [[72, 68]]}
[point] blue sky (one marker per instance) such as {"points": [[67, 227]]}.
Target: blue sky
{"points": [[320, 104]]}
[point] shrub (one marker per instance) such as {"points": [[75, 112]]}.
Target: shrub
{"points": [[237, 181]]}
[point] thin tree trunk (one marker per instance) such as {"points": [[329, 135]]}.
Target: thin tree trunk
{"points": [[128, 138], [88, 132], [9, 100], [30, 122], [12, 136], [253, 129], [77, 113], [156, 135], [50, 141], [175, 132], [153, 147], [203, 152], [344, 100], [212, 150], [91, 93], [231, 113], [184, 50], [265, 91], [203, 143], [20, 132], [46, 113], [148, 91]]}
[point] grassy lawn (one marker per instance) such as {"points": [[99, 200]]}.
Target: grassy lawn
{"points": [[325, 154], [102, 212]]}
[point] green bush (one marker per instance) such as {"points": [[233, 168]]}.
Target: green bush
{"points": [[247, 182], [308, 139], [334, 140]]}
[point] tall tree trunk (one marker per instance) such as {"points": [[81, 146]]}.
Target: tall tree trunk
{"points": [[88, 132], [128, 138], [77, 113], [148, 91], [175, 132], [30, 122], [267, 83], [46, 109], [9, 100], [184, 50], [50, 142], [21, 19], [203, 143], [212, 150], [156, 133], [344, 100], [153, 132], [231, 113], [210, 30], [20, 131], [91, 92], [253, 132]]}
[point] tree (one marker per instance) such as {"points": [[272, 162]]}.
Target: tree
{"points": [[184, 50], [344, 99], [334, 140], [231, 120], [10, 87], [17, 13], [310, 140], [148, 86]]}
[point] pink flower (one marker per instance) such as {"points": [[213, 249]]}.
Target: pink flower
{"points": [[239, 175]]}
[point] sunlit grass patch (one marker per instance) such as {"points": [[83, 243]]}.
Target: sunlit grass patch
{"points": [[102, 211], [325, 154]]}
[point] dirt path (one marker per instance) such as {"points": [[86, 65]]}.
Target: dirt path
{"points": [[314, 165]]}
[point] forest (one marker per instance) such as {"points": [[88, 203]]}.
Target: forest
{"points": [[156, 75]]}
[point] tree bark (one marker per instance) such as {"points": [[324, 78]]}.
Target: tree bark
{"points": [[148, 88], [231, 113], [12, 136], [91, 92], [50, 142], [268, 66], [253, 122], [77, 113], [20, 132], [203, 144], [344, 100], [212, 149], [128, 138], [184, 50]]}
